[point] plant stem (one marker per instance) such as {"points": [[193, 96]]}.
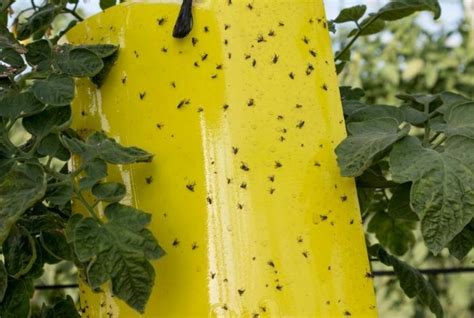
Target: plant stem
{"points": [[77, 172], [56, 174], [73, 13], [356, 36], [385, 195], [34, 147], [84, 202], [426, 138], [48, 163], [9, 125]]}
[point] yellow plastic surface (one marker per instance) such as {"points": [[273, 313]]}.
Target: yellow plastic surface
{"points": [[243, 116]]}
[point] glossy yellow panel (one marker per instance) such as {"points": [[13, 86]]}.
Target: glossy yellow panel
{"points": [[243, 117]]}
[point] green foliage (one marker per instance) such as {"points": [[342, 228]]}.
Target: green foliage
{"points": [[38, 225], [118, 250], [376, 22], [434, 165], [395, 234], [105, 4], [62, 308], [412, 281], [16, 302], [22, 186], [367, 141], [422, 179], [56, 90], [351, 14], [98, 146], [441, 193], [412, 159], [462, 243], [19, 251], [414, 60], [79, 62]]}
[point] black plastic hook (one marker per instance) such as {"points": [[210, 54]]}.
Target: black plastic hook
{"points": [[184, 22]]}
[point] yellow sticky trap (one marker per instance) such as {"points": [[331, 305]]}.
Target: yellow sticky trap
{"points": [[243, 116]]}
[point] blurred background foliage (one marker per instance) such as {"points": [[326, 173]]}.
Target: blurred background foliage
{"points": [[412, 56], [411, 59], [408, 57]]}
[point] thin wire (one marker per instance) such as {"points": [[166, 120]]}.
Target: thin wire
{"points": [[429, 271]]}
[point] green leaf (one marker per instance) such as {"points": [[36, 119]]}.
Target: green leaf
{"points": [[62, 308], [119, 250], [24, 185], [332, 27], [79, 62], [399, 9], [46, 220], [351, 14], [351, 93], [105, 4], [412, 281], [36, 270], [23, 104], [99, 146], [399, 205], [418, 101], [370, 112], [344, 57], [16, 303], [127, 216], [109, 62], [51, 146], [442, 194], [19, 251], [70, 228], [6, 166], [95, 170], [370, 25], [57, 90], [396, 235], [89, 239], [451, 99], [112, 152], [54, 242], [340, 67], [49, 121], [37, 22], [374, 178], [11, 57], [460, 120], [59, 193], [109, 191], [38, 52], [151, 248], [413, 116], [3, 281], [438, 124], [366, 197], [8, 40], [102, 50], [462, 243], [368, 140], [74, 144], [352, 106]]}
